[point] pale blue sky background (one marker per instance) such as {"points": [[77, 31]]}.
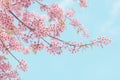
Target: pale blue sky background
{"points": [[102, 17]]}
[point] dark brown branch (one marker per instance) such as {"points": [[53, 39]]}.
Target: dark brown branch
{"points": [[84, 45], [62, 41], [21, 21], [46, 42]]}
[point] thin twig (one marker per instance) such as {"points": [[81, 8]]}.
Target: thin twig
{"points": [[9, 51], [61, 41], [46, 42], [39, 3]]}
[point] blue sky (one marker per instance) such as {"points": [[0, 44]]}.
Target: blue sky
{"points": [[102, 17]]}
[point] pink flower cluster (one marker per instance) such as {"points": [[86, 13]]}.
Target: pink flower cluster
{"points": [[75, 22], [57, 29], [55, 12], [22, 65], [54, 48], [13, 74], [41, 29], [6, 71], [43, 7], [3, 35], [37, 32], [101, 40], [70, 13], [5, 4], [80, 28], [26, 3], [37, 46], [6, 20], [5, 66]]}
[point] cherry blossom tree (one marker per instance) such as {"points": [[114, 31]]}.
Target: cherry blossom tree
{"points": [[26, 31]]}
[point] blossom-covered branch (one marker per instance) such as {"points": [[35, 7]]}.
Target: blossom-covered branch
{"points": [[25, 31]]}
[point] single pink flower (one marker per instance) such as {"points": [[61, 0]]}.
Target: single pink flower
{"points": [[83, 3]]}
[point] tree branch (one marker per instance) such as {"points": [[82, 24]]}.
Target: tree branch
{"points": [[9, 51], [49, 35], [21, 21]]}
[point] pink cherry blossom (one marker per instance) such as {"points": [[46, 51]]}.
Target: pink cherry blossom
{"points": [[55, 12], [6, 71], [37, 46], [75, 22], [44, 7], [70, 13], [23, 65], [57, 29], [26, 31], [55, 47], [83, 3], [5, 66], [12, 74], [101, 40]]}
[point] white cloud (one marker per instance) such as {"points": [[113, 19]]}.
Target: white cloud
{"points": [[110, 25], [65, 3]]}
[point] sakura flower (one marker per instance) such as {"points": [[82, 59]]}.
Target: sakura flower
{"points": [[12, 74], [57, 29], [55, 47], [75, 22], [70, 13], [101, 40], [55, 12], [23, 65], [5, 66], [83, 3], [37, 46], [43, 7], [26, 3]]}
